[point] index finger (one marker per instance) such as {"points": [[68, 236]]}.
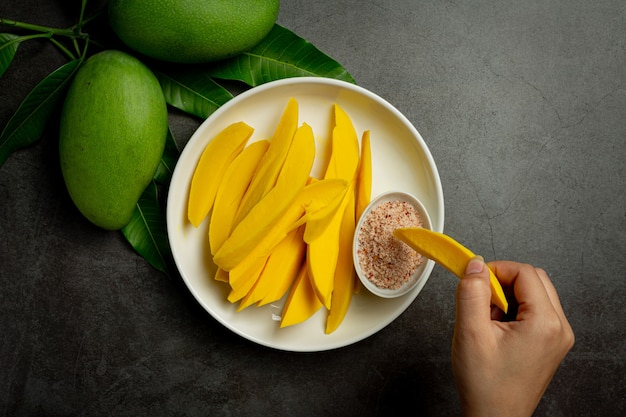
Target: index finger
{"points": [[552, 294], [528, 287]]}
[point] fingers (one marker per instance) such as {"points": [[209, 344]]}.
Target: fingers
{"points": [[558, 308], [534, 294], [531, 286], [552, 294], [473, 295]]}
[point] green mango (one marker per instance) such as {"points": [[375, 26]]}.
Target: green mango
{"points": [[112, 135], [192, 31]]}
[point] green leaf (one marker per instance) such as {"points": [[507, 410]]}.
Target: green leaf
{"points": [[170, 156], [281, 54], [29, 121], [8, 48], [146, 231], [192, 90]]}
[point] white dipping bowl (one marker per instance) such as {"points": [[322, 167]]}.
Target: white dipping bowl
{"points": [[422, 270]]}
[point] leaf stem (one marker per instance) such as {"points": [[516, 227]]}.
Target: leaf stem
{"points": [[25, 38], [82, 14], [37, 28], [87, 20], [64, 49], [74, 33]]}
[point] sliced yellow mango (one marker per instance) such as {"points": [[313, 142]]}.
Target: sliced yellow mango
{"points": [[323, 236], [322, 200], [280, 271], [265, 177], [294, 215], [363, 186], [323, 253], [242, 278], [221, 275], [271, 208], [345, 275], [301, 303], [317, 221], [231, 190], [364, 176], [448, 253], [344, 157], [217, 155], [342, 164]]}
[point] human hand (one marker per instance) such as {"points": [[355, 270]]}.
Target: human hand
{"points": [[502, 368]]}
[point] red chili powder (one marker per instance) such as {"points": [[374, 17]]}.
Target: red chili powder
{"points": [[386, 261]]}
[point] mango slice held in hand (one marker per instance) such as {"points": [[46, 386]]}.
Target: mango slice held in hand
{"points": [[448, 253]]}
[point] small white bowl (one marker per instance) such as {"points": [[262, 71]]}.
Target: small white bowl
{"points": [[421, 269]]}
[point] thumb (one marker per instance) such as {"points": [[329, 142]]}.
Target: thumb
{"points": [[473, 295]]}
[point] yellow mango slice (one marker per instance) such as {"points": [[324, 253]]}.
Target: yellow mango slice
{"points": [[448, 253], [322, 200], [343, 163], [345, 275], [323, 236], [217, 155], [364, 176], [363, 185], [302, 301], [242, 278], [318, 220], [280, 271], [323, 253], [221, 275], [344, 156], [293, 216], [265, 177], [231, 190], [269, 210]]}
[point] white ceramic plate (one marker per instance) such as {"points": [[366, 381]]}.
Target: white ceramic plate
{"points": [[400, 161]]}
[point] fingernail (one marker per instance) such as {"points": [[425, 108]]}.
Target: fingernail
{"points": [[475, 265]]}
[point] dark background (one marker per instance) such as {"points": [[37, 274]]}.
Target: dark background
{"points": [[523, 106]]}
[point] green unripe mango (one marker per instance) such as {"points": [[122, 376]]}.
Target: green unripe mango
{"points": [[112, 135], [192, 31]]}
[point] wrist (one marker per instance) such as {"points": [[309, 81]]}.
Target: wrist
{"points": [[497, 407]]}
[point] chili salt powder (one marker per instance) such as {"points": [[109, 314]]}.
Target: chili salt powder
{"points": [[384, 260]]}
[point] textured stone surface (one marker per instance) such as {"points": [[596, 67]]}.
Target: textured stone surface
{"points": [[523, 105]]}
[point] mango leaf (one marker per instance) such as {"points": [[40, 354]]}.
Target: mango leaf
{"points": [[8, 48], [192, 90], [29, 121], [146, 231], [170, 156], [281, 54]]}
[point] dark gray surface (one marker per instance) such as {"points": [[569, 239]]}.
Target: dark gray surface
{"points": [[523, 105]]}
